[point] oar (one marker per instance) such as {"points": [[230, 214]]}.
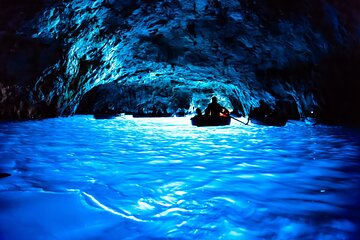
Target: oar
{"points": [[240, 121]]}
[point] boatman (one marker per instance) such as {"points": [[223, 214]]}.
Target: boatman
{"points": [[215, 109]]}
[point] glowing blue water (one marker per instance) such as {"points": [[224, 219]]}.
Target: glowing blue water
{"points": [[80, 178]]}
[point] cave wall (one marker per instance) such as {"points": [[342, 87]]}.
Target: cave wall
{"points": [[302, 52]]}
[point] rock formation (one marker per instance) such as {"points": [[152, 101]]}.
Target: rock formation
{"points": [[62, 57]]}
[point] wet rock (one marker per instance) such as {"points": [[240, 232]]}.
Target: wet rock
{"points": [[177, 54]]}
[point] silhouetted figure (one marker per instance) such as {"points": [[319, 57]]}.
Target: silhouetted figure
{"points": [[198, 112], [264, 115], [141, 111], [262, 111], [159, 112], [198, 115], [214, 108], [108, 109], [154, 110], [264, 108], [180, 112]]}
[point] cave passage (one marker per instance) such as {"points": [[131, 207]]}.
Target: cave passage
{"points": [[60, 58]]}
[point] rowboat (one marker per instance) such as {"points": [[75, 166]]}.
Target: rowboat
{"points": [[105, 115], [269, 120], [205, 120], [151, 115]]}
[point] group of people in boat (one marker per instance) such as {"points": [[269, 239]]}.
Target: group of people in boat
{"points": [[215, 115], [263, 114], [213, 109]]}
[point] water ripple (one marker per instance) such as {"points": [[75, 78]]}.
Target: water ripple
{"points": [[168, 179]]}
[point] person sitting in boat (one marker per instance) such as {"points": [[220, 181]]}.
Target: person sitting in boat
{"points": [[264, 108], [215, 109], [198, 112], [262, 111]]}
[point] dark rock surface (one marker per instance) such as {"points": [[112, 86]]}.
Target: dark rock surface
{"points": [[62, 57]]}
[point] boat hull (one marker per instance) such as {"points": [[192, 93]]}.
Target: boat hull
{"points": [[151, 115], [269, 121], [104, 116], [204, 121]]}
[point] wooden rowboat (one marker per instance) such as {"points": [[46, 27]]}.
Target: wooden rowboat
{"points": [[203, 121]]}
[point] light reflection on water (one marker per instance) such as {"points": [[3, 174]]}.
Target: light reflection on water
{"points": [[163, 178]]}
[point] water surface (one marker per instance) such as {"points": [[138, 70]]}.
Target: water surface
{"points": [[161, 178]]}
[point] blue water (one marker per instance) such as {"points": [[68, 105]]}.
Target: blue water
{"points": [[133, 178]]}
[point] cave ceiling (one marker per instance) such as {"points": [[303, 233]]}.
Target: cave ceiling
{"points": [[177, 54]]}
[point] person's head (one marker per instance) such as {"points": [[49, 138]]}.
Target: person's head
{"points": [[198, 111], [214, 99]]}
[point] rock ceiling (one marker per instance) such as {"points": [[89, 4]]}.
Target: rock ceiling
{"points": [[59, 55]]}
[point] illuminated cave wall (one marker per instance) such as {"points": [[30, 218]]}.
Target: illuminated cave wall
{"points": [[177, 54]]}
